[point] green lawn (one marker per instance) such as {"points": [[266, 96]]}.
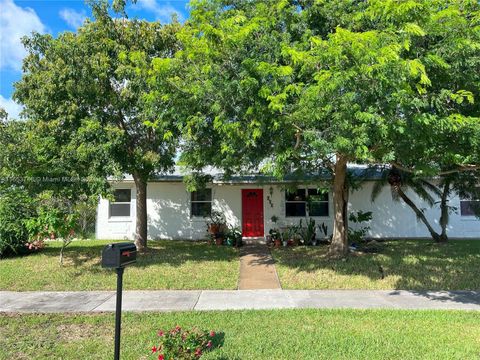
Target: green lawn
{"points": [[412, 264], [167, 265], [280, 334]]}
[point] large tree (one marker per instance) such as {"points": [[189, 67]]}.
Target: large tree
{"points": [[91, 89], [294, 85]]}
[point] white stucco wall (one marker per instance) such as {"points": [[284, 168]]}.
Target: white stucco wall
{"points": [[396, 219], [168, 208], [116, 228]]}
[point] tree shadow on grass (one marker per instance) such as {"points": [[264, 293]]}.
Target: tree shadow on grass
{"points": [[415, 265], [172, 253]]}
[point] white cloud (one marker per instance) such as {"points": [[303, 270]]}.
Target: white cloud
{"points": [[162, 12], [73, 18], [15, 22], [13, 109]]}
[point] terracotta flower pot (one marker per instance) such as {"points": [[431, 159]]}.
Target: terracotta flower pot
{"points": [[278, 243], [219, 241], [214, 228]]}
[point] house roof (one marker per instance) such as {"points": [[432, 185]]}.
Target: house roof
{"points": [[360, 172]]}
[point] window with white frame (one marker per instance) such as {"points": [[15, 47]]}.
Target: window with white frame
{"points": [[201, 203], [469, 207], [303, 202], [120, 207]]}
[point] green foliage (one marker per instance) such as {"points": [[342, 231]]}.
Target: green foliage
{"points": [[323, 228], [307, 232], [233, 236], [289, 233], [16, 207], [91, 93], [296, 86], [357, 235], [94, 86], [85, 210], [55, 219], [183, 344]]}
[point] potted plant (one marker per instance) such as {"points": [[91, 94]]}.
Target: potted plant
{"points": [[276, 237], [216, 227], [288, 235], [233, 237], [307, 233]]}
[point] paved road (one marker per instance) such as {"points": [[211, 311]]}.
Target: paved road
{"points": [[167, 300]]}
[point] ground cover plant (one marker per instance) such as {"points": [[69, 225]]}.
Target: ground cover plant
{"points": [[401, 264], [297, 334], [167, 265]]}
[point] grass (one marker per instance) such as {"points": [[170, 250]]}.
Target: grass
{"points": [[167, 265], [401, 264], [276, 334]]}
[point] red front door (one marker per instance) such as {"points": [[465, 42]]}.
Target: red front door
{"points": [[252, 212]]}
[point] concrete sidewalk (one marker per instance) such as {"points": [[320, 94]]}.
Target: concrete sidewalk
{"points": [[171, 300]]}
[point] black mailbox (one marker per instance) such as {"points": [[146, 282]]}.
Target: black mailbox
{"points": [[118, 255]]}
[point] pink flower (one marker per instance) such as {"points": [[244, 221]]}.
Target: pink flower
{"points": [[161, 333], [161, 357], [198, 352], [209, 344], [154, 349], [212, 333]]}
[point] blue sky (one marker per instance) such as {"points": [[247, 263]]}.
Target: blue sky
{"points": [[21, 17]]}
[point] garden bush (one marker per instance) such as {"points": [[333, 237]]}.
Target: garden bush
{"points": [[183, 344], [16, 206]]}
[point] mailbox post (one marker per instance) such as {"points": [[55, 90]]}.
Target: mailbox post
{"points": [[117, 256]]}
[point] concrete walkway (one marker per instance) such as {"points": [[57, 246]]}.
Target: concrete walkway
{"points": [[257, 269], [166, 300]]}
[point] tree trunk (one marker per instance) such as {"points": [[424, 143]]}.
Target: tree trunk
{"points": [[141, 220], [419, 214], [339, 245], [444, 211]]}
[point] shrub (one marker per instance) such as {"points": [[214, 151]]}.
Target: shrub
{"points": [[360, 217], [307, 232], [86, 211], [55, 219], [183, 344], [16, 206], [233, 236]]}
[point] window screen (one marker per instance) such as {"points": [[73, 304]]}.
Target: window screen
{"points": [[121, 204], [201, 202]]}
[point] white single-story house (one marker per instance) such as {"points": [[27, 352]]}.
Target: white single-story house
{"points": [[250, 203]]}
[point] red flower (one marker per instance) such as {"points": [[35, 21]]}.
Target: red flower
{"points": [[198, 352], [209, 344], [212, 333], [161, 333], [154, 349], [161, 357]]}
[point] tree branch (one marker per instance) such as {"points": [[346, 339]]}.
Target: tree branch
{"points": [[461, 168]]}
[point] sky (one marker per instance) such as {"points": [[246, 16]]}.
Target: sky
{"points": [[21, 17]]}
